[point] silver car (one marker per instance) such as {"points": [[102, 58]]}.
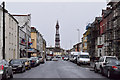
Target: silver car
{"points": [[55, 59], [5, 70]]}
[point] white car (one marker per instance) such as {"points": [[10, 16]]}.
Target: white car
{"points": [[66, 58], [83, 58], [55, 59], [102, 62], [73, 56]]}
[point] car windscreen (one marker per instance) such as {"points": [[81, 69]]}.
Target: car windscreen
{"points": [[110, 58], [84, 56], [114, 62], [15, 62]]}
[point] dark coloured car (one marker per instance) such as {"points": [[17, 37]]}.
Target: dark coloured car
{"points": [[5, 70], [17, 65], [27, 63], [112, 68]]}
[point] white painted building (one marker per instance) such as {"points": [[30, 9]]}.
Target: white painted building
{"points": [[11, 36]]}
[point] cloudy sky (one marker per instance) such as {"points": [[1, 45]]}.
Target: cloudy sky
{"points": [[71, 16]]}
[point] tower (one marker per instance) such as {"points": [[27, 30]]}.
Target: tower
{"points": [[57, 38]]}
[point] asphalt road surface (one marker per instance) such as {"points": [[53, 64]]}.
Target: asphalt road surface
{"points": [[59, 69]]}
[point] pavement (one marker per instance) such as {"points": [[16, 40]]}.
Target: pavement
{"points": [[59, 69], [92, 64]]}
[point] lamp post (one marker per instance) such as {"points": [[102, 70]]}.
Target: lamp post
{"points": [[3, 48], [78, 35]]}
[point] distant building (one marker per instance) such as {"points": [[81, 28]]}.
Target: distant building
{"points": [[84, 42], [78, 47], [57, 51], [57, 38], [103, 25], [44, 48], [88, 35], [37, 43], [24, 32], [11, 36]]}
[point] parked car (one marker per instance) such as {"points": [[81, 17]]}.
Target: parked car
{"points": [[112, 68], [27, 62], [17, 65], [34, 61], [41, 59], [83, 58], [5, 70], [48, 58], [55, 59], [73, 56], [102, 62], [58, 56], [66, 58]]}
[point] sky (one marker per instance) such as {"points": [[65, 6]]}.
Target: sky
{"points": [[71, 16]]}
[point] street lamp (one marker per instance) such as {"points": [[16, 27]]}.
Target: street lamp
{"points": [[3, 49], [78, 35]]}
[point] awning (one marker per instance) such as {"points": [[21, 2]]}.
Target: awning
{"points": [[32, 50]]}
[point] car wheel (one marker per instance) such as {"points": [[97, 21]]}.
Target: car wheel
{"points": [[24, 69], [5, 77], [79, 64], [109, 74], [29, 68], [11, 76], [95, 69]]}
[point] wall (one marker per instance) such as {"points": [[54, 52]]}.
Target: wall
{"points": [[11, 37]]}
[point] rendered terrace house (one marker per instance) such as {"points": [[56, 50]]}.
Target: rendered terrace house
{"points": [[11, 36]]}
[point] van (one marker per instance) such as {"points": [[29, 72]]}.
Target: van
{"points": [[73, 56], [83, 58]]}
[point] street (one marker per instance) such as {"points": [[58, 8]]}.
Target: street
{"points": [[59, 69]]}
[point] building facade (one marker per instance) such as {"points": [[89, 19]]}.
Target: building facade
{"points": [[113, 29], [25, 33], [11, 36], [78, 47], [38, 43], [84, 43]]}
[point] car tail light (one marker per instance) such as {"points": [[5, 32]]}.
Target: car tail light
{"points": [[1, 67], [114, 67]]}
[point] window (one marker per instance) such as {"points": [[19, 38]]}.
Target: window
{"points": [[100, 40], [85, 44], [85, 38], [9, 38]]}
